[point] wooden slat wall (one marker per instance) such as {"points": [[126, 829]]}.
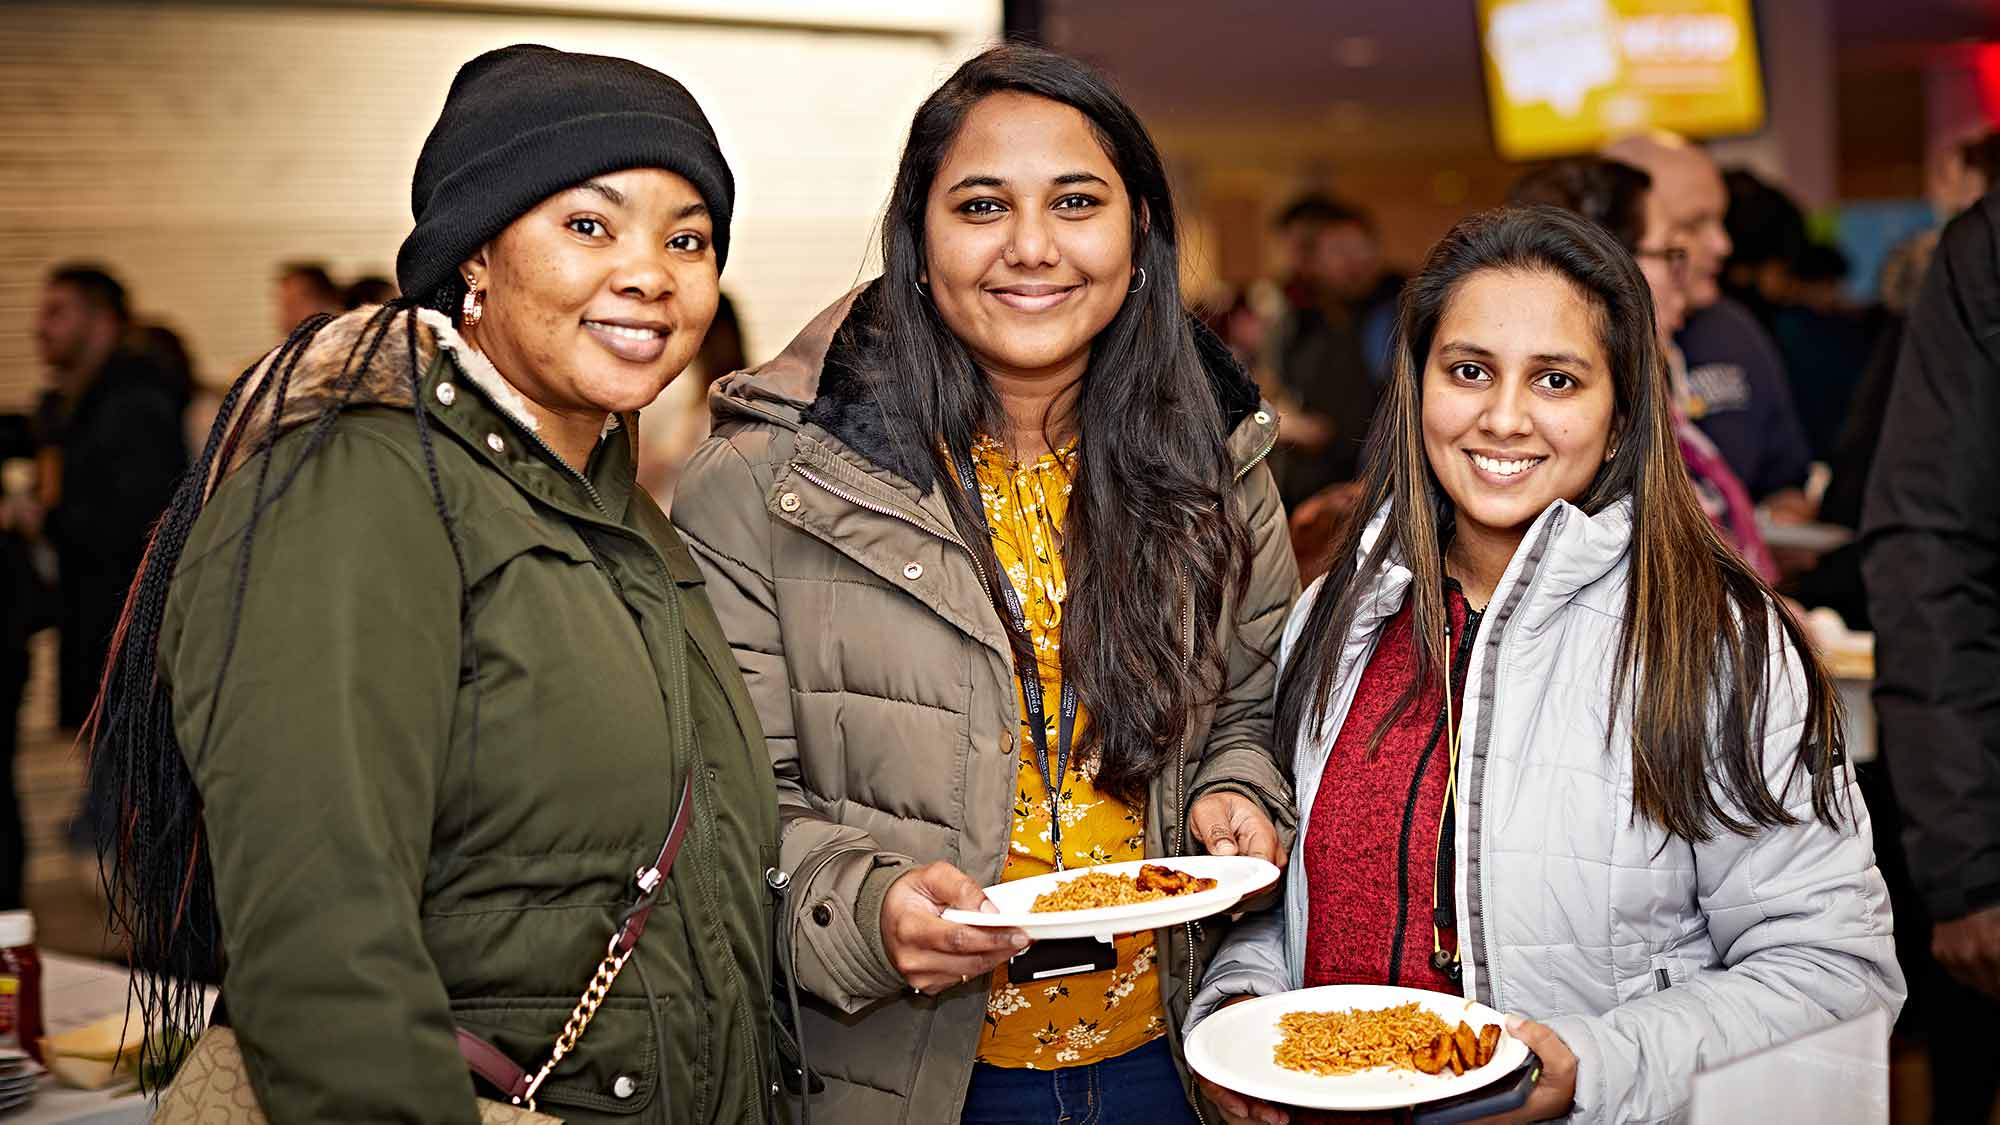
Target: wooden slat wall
{"points": [[193, 147]]}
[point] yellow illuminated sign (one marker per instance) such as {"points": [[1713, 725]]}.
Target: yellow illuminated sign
{"points": [[1564, 76]]}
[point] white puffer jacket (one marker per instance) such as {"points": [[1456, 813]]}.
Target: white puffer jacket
{"points": [[1652, 957]]}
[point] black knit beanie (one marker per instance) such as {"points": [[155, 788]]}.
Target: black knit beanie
{"points": [[524, 122]]}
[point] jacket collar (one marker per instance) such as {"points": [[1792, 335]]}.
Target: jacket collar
{"points": [[480, 407], [824, 379], [1565, 552]]}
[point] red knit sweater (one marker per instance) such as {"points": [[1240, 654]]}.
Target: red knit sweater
{"points": [[1372, 842]]}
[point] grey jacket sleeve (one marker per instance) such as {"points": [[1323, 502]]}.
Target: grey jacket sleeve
{"points": [[1239, 755], [1800, 918], [832, 940], [1251, 962]]}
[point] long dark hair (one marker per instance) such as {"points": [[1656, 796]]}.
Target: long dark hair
{"points": [[142, 799], [1701, 628], [1149, 532]]}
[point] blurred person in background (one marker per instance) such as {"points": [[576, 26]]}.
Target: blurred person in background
{"points": [[1736, 386], [1901, 276], [1767, 233], [1825, 341], [24, 608], [114, 424], [1510, 660], [1617, 197], [1315, 355], [370, 290], [306, 289], [1792, 285], [163, 348], [676, 423], [1318, 366], [1959, 174], [1236, 322], [1931, 560]]}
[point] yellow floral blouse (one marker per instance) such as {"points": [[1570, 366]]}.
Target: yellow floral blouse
{"points": [[1089, 1017]]}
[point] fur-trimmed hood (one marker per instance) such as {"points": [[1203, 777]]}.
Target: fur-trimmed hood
{"points": [[361, 358], [822, 378]]}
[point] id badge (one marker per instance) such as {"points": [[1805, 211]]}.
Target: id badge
{"points": [[1046, 960]]}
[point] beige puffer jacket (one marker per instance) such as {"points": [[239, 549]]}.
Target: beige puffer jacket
{"points": [[886, 689]]}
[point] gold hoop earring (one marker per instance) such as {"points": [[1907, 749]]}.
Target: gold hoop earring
{"points": [[1142, 282], [474, 305]]}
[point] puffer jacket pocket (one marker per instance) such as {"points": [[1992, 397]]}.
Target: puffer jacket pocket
{"points": [[615, 1068]]}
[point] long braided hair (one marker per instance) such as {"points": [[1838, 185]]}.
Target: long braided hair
{"points": [[151, 848]]}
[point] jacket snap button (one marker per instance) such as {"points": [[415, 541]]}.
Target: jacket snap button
{"points": [[1263, 417], [913, 571], [789, 502], [823, 914], [496, 443], [447, 393], [623, 1086]]}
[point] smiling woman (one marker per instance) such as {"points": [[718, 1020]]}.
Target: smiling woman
{"points": [[594, 300], [1552, 736], [390, 775], [1000, 558]]}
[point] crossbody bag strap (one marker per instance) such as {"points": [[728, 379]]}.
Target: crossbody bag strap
{"points": [[492, 1064]]}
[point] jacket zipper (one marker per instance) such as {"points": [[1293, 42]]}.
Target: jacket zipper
{"points": [[1475, 891], [1403, 848], [885, 510], [537, 441], [1253, 462]]}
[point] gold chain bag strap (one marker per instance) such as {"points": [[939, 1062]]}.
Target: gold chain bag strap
{"points": [[490, 1063], [212, 1086]]}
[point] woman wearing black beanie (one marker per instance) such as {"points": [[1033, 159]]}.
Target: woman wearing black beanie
{"points": [[415, 680]]}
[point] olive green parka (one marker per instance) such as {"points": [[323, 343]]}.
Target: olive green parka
{"points": [[433, 768]]}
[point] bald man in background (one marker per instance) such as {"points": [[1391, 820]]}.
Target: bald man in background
{"points": [[1736, 389]]}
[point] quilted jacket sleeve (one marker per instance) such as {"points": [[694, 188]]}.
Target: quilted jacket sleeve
{"points": [[1799, 917], [719, 507], [319, 804], [1239, 755], [1253, 959]]}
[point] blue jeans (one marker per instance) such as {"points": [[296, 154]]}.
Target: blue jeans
{"points": [[1139, 1087]]}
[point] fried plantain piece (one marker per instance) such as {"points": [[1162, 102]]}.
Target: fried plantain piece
{"points": [[1451, 1056], [1467, 1044], [1430, 1057], [1489, 1043], [1154, 878]]}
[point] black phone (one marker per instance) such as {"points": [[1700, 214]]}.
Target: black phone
{"points": [[1508, 1093]]}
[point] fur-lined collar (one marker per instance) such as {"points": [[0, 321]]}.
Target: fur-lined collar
{"points": [[321, 375], [825, 374]]}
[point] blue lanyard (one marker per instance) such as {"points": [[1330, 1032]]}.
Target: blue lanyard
{"points": [[1031, 679]]}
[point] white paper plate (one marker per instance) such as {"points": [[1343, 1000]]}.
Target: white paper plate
{"points": [[1234, 1049], [1236, 877]]}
